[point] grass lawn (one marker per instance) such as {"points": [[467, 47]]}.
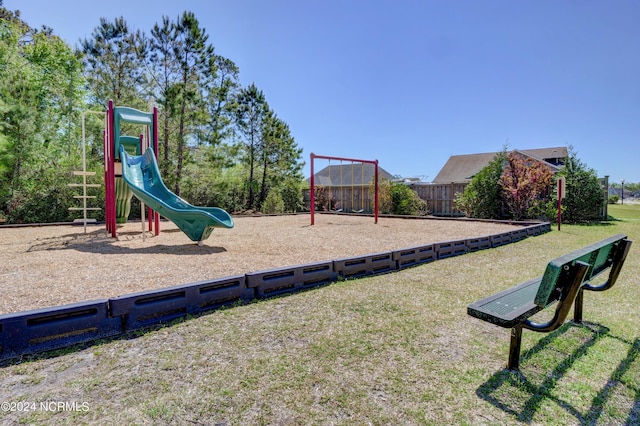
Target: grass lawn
{"points": [[390, 349]]}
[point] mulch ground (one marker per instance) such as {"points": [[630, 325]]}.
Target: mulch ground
{"points": [[55, 265]]}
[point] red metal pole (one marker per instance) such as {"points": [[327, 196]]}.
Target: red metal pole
{"points": [[156, 215], [150, 215], [105, 147], [110, 197], [112, 168], [559, 205], [105, 138], [376, 194], [357, 160], [312, 193], [149, 141]]}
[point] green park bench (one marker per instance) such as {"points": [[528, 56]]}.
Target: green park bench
{"points": [[563, 283]]}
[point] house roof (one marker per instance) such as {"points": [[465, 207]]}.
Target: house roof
{"points": [[555, 155], [462, 168], [352, 174]]}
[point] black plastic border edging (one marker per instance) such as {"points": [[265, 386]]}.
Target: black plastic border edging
{"points": [[53, 328], [148, 308], [46, 329], [289, 279]]}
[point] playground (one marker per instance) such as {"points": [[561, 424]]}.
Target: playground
{"points": [[59, 265], [389, 349], [56, 265], [392, 348]]}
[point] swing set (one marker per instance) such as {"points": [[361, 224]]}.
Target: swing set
{"points": [[362, 192]]}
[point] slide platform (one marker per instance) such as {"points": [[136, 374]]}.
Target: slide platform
{"points": [[142, 175]]}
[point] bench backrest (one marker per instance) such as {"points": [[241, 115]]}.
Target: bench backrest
{"points": [[600, 256]]}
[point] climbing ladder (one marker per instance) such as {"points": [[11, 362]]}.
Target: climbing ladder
{"points": [[84, 197], [84, 185]]}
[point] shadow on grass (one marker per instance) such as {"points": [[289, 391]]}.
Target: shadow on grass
{"points": [[522, 396], [604, 223]]}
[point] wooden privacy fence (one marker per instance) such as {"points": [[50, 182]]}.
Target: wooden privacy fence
{"points": [[439, 198], [347, 199]]}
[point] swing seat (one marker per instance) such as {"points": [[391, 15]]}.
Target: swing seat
{"points": [[357, 211]]}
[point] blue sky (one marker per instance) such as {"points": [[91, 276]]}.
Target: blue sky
{"points": [[411, 82]]}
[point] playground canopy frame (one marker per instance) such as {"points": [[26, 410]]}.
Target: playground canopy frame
{"points": [[312, 202], [112, 137]]}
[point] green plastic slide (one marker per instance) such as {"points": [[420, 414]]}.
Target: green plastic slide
{"points": [[143, 177]]}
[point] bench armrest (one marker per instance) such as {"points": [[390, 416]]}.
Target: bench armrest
{"points": [[575, 275], [618, 260]]}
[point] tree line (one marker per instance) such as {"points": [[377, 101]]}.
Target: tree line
{"points": [[220, 144]]}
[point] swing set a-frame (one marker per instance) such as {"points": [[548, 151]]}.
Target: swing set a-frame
{"points": [[313, 157]]}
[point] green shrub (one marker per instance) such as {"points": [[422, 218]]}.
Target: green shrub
{"points": [[273, 204], [525, 184], [485, 197], [385, 205], [584, 192], [291, 192], [43, 206], [406, 201], [482, 197], [325, 200]]}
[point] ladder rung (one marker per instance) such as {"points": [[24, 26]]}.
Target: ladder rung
{"points": [[81, 173], [89, 185], [84, 221], [84, 196], [81, 208]]}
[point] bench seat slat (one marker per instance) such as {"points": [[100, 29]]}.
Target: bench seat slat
{"points": [[509, 307]]}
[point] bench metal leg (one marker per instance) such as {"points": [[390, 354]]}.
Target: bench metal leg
{"points": [[514, 348], [577, 308]]}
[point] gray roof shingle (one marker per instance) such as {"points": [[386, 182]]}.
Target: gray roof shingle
{"points": [[355, 174], [462, 168]]}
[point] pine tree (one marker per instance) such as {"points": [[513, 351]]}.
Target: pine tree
{"points": [[250, 113], [281, 157], [112, 63], [192, 53]]}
